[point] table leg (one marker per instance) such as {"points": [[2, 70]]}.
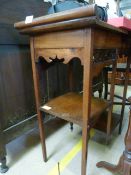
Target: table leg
{"points": [[87, 91], [125, 92], [105, 73], [124, 165], [37, 99], [112, 89]]}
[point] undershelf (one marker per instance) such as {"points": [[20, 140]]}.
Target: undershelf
{"points": [[101, 125], [70, 107]]}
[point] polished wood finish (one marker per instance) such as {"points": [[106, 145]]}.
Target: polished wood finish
{"points": [[61, 16], [37, 98], [72, 24], [66, 39], [69, 107], [79, 36], [124, 165], [66, 54]]}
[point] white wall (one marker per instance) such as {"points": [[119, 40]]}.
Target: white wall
{"points": [[112, 7]]}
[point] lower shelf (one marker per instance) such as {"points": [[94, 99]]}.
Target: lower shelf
{"points": [[69, 107], [101, 125]]}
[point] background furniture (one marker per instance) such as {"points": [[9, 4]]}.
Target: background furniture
{"points": [[63, 37], [126, 69], [17, 104], [118, 119], [120, 73], [121, 68], [124, 165]]}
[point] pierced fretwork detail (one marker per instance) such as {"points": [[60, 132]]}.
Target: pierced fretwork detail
{"points": [[64, 55], [101, 55]]}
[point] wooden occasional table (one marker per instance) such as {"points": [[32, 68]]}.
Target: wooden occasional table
{"points": [[74, 33]]}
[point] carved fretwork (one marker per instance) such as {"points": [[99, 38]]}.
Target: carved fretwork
{"points": [[101, 55], [65, 55]]}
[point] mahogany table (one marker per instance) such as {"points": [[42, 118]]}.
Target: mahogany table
{"points": [[75, 33]]}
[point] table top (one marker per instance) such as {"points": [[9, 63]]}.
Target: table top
{"points": [[71, 19], [72, 24]]}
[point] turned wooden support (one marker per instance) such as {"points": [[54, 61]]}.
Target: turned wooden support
{"points": [[124, 165]]}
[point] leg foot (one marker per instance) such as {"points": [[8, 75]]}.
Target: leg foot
{"points": [[3, 167], [71, 126], [112, 168]]}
